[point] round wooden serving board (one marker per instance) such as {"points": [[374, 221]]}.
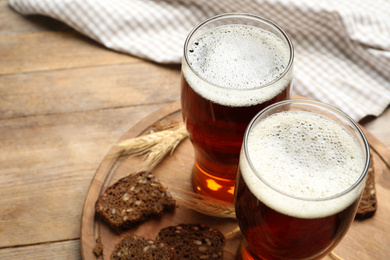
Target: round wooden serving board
{"points": [[367, 239]]}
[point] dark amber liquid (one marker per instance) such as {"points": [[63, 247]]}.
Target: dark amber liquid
{"points": [[269, 234], [216, 132]]}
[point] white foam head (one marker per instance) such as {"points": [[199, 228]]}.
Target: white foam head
{"points": [[304, 155], [241, 60]]}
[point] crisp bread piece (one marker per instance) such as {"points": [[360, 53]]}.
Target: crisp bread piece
{"points": [[137, 247], [98, 249], [133, 200], [194, 241], [368, 203]]}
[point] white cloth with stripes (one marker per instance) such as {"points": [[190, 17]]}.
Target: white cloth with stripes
{"points": [[342, 48]]}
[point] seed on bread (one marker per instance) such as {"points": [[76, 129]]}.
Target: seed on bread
{"points": [[137, 247], [193, 241], [132, 200]]}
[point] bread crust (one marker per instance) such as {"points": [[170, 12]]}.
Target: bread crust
{"points": [[368, 203], [132, 200]]}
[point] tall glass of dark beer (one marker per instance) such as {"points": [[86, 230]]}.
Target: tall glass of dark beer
{"points": [[302, 171], [234, 65]]}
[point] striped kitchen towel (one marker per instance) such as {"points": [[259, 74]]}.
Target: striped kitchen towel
{"points": [[342, 48]]}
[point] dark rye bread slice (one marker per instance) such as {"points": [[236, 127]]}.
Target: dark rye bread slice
{"points": [[136, 247], [193, 241], [132, 200], [368, 203]]}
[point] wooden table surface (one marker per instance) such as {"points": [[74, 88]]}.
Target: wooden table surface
{"points": [[64, 102]]}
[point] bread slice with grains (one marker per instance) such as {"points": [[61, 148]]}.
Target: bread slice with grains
{"points": [[194, 241], [368, 203], [133, 200], [137, 247]]}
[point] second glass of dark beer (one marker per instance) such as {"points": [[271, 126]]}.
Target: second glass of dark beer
{"points": [[302, 171], [234, 65]]}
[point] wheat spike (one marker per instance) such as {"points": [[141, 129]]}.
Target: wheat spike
{"points": [[205, 205], [140, 145], [166, 146], [155, 146]]}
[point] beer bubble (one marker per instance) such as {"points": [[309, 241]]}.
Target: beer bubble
{"points": [[302, 158], [241, 59], [315, 169]]}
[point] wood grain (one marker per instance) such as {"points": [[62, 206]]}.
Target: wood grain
{"points": [[86, 89], [53, 51], [60, 250], [175, 173], [64, 100], [47, 164]]}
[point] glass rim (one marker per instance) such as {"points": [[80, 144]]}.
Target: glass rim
{"points": [[328, 107], [242, 15]]}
